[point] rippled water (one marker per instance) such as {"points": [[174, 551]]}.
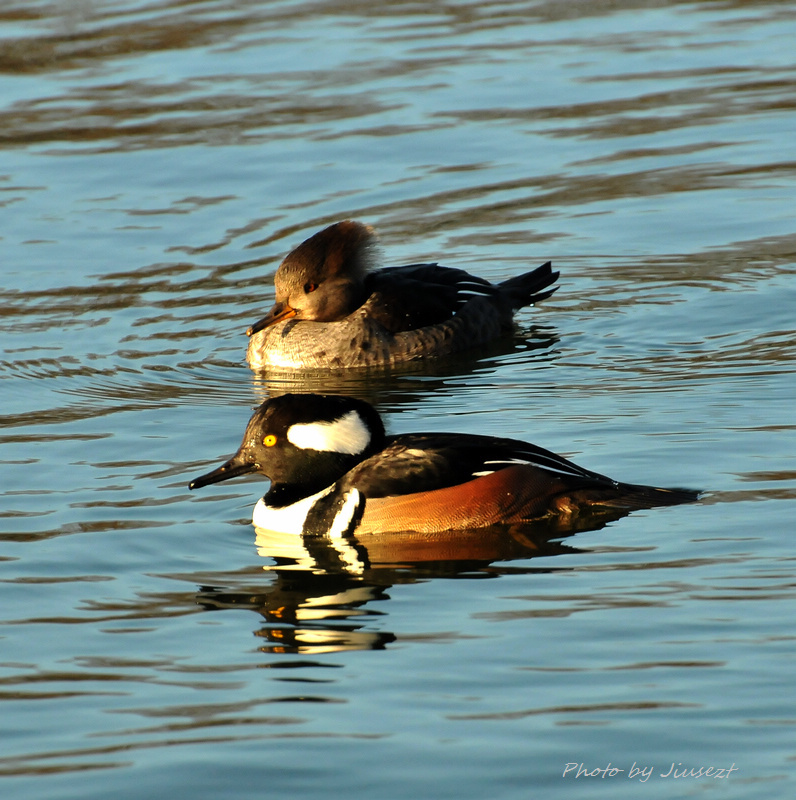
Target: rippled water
{"points": [[156, 162]]}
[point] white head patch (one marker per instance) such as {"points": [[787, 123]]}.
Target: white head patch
{"points": [[348, 435]]}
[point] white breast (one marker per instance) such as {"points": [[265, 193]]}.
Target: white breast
{"points": [[289, 519]]}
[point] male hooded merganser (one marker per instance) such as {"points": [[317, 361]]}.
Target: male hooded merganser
{"points": [[333, 470], [332, 311]]}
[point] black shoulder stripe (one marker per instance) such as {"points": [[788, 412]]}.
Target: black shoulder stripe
{"points": [[337, 512]]}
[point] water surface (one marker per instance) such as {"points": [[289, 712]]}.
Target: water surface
{"points": [[157, 160]]}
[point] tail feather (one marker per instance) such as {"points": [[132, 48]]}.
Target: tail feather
{"points": [[633, 497], [526, 289], [617, 499]]}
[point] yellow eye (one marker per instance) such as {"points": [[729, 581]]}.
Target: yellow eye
{"points": [[269, 440]]}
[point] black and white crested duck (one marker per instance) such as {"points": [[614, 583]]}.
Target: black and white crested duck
{"points": [[333, 471]]}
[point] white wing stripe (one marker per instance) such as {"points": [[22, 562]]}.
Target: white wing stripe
{"points": [[549, 464]]}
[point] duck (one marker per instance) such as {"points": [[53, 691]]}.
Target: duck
{"points": [[335, 472], [334, 310]]}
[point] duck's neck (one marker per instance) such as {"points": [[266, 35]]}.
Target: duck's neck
{"points": [[281, 495]]}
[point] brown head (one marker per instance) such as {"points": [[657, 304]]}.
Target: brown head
{"points": [[323, 278]]}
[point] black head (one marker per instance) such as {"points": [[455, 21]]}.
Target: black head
{"points": [[304, 440]]}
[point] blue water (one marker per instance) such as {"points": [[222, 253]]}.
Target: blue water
{"points": [[157, 160]]}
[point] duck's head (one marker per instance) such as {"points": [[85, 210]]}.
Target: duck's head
{"points": [[306, 440], [323, 278]]}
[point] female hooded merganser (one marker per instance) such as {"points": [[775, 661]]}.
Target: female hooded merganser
{"points": [[332, 311], [333, 471]]}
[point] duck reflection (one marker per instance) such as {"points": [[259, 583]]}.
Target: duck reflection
{"points": [[308, 613], [325, 593], [445, 552]]}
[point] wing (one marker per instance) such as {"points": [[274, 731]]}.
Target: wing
{"points": [[418, 295], [424, 462]]}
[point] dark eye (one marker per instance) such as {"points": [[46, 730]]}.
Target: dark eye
{"points": [[310, 287]]}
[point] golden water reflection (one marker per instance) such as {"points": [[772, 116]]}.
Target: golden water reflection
{"points": [[325, 592]]}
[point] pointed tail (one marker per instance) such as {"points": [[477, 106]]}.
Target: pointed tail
{"points": [[632, 497], [527, 289]]}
